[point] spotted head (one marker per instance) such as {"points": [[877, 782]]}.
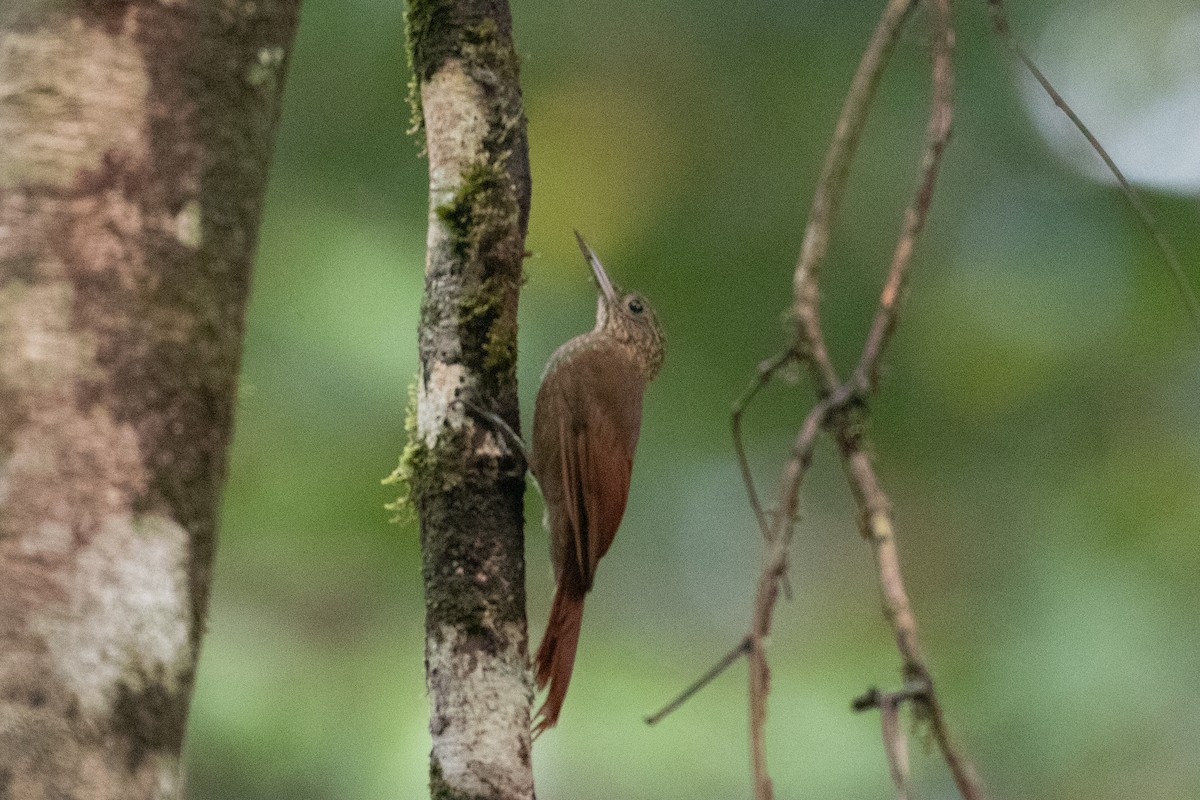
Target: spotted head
{"points": [[626, 317]]}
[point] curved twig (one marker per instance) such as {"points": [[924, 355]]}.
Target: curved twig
{"points": [[1174, 266], [831, 187], [766, 371], [841, 410]]}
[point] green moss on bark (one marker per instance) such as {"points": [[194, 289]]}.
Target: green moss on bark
{"points": [[480, 220], [432, 30], [422, 20], [483, 209], [412, 459], [490, 332], [437, 30], [423, 469], [469, 494]]}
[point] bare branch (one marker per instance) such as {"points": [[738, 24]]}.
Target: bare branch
{"points": [[874, 506], [895, 744], [766, 371], [775, 565], [841, 409], [937, 136], [832, 412], [732, 656], [894, 740], [831, 186], [811, 345]]}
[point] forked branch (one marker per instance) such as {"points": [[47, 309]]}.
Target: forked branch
{"points": [[841, 409]]}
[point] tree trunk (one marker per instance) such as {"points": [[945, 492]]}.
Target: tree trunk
{"points": [[136, 137], [466, 476]]}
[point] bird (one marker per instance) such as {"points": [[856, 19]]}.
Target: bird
{"points": [[586, 422]]}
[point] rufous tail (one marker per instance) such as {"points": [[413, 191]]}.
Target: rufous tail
{"points": [[556, 656]]}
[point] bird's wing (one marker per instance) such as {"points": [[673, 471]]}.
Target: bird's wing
{"points": [[602, 468], [597, 438], [585, 429], [573, 492]]}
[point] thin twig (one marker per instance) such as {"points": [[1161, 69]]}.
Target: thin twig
{"points": [[937, 136], [811, 345], [732, 656], [775, 559], [831, 187], [875, 511], [841, 410], [766, 371], [895, 743], [826, 201], [775, 562], [874, 506], [1000, 25]]}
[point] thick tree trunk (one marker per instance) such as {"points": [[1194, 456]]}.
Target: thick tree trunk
{"points": [[467, 477], [135, 142]]}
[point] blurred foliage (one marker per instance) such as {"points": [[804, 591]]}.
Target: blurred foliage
{"points": [[1038, 425]]}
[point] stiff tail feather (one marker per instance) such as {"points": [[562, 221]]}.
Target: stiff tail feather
{"points": [[556, 655]]}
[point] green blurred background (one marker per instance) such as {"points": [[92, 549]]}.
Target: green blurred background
{"points": [[1038, 425]]}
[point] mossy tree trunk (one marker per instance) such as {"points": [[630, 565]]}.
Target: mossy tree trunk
{"points": [[135, 137], [466, 478]]}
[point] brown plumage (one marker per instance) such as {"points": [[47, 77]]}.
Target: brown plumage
{"points": [[586, 423]]}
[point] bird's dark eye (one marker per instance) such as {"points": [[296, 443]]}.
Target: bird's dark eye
{"points": [[635, 305]]}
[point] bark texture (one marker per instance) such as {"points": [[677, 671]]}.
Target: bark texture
{"points": [[466, 478], [136, 138]]}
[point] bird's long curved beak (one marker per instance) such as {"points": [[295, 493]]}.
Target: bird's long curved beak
{"points": [[602, 280]]}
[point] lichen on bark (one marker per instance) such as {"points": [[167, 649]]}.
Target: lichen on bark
{"points": [[136, 140], [467, 483]]}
